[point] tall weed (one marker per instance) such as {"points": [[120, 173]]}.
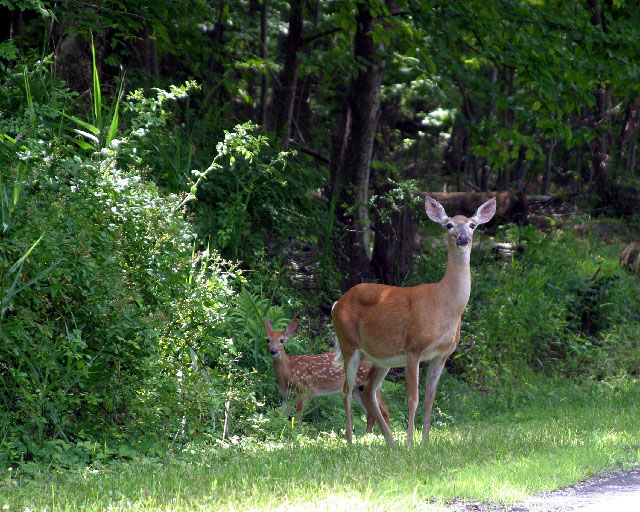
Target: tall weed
{"points": [[540, 311], [104, 122]]}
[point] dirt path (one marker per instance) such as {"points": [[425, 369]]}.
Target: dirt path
{"points": [[618, 492]]}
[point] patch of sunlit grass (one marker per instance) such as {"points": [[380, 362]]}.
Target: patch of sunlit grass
{"points": [[500, 459]]}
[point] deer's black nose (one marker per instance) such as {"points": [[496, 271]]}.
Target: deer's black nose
{"points": [[273, 351], [463, 239]]}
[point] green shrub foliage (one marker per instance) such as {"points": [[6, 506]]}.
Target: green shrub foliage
{"points": [[113, 323], [122, 328], [546, 309]]}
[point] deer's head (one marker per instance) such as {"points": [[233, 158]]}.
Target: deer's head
{"points": [[277, 339], [460, 229]]}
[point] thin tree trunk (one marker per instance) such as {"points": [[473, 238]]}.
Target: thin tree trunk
{"points": [[227, 416], [600, 149], [285, 92], [454, 157], [630, 163], [356, 131], [629, 136], [546, 181], [600, 155], [263, 55], [151, 63]]}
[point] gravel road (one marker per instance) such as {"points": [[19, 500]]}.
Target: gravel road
{"points": [[617, 492]]}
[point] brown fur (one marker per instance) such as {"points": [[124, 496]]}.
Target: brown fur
{"points": [[310, 376], [393, 326]]}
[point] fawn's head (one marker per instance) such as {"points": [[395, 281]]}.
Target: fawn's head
{"points": [[277, 339], [460, 228]]}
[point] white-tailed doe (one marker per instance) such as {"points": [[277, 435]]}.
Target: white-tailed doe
{"points": [[394, 327], [307, 377]]}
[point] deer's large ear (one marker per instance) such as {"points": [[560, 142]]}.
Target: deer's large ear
{"points": [[435, 211], [291, 328], [486, 212], [267, 324]]}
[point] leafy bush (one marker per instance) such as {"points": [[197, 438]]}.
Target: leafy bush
{"points": [[541, 311], [118, 332], [252, 192]]}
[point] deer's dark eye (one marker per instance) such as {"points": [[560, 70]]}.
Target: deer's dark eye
{"points": [[268, 340], [472, 225], [449, 225], [281, 340]]}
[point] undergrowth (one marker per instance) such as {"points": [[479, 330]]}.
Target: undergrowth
{"points": [[125, 333], [499, 454]]}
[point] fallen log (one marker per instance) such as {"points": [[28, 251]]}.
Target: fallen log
{"points": [[630, 258], [510, 206]]}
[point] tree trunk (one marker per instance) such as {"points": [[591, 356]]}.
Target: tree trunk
{"points": [[392, 259], [455, 154], [520, 168], [284, 92], [600, 157], [630, 162], [264, 85], [629, 137], [394, 240], [546, 181], [353, 145], [150, 53]]}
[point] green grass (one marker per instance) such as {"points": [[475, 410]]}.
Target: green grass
{"points": [[555, 438]]}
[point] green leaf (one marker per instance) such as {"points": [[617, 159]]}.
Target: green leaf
{"points": [[113, 127], [19, 263], [93, 129], [8, 50], [87, 135], [97, 94], [81, 143], [536, 106]]}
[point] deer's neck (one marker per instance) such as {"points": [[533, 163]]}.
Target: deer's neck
{"points": [[282, 369], [456, 282]]}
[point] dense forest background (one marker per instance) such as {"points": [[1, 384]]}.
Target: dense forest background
{"points": [[172, 172]]}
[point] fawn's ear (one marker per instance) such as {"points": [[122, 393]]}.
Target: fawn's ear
{"points": [[435, 211], [486, 212], [291, 328], [267, 324]]}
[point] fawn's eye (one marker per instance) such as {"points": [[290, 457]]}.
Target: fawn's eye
{"points": [[281, 340], [449, 226], [268, 340], [472, 225]]}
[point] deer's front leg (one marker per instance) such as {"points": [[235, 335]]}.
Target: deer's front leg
{"points": [[412, 374], [433, 377]]}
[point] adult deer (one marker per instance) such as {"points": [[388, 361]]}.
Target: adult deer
{"points": [[307, 377], [393, 326]]}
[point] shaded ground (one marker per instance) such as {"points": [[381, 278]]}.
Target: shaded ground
{"points": [[618, 492]]}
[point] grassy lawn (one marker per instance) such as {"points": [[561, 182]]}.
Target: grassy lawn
{"points": [[553, 439]]}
